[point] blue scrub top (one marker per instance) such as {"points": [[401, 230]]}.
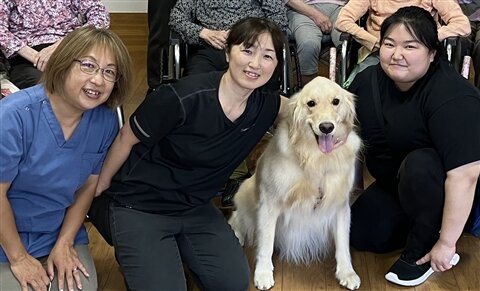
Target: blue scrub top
{"points": [[44, 170]]}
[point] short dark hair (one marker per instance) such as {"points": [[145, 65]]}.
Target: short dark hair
{"points": [[419, 23], [247, 30], [74, 46]]}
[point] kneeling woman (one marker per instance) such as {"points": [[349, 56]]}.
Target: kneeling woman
{"points": [[419, 122], [54, 137], [180, 146]]}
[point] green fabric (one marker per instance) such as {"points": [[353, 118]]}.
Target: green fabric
{"points": [[240, 171]]}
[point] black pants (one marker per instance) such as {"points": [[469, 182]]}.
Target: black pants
{"points": [[158, 37], [22, 72], [407, 214], [151, 248], [205, 58]]}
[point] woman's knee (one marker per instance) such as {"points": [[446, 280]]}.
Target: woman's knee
{"points": [[378, 222], [225, 273], [236, 279], [86, 258], [378, 233], [422, 169], [421, 162]]}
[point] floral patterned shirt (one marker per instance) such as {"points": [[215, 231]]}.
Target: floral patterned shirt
{"points": [[34, 22], [189, 17]]}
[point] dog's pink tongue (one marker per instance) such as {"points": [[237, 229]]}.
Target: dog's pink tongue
{"points": [[325, 142]]}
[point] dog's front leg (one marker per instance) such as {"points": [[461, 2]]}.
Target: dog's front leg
{"points": [[345, 272], [266, 223]]}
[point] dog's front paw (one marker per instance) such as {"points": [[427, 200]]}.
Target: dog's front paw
{"points": [[349, 279], [263, 279]]}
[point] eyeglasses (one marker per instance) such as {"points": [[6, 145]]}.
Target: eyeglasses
{"points": [[92, 68]]}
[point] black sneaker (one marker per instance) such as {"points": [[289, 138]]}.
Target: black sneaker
{"points": [[408, 273]]}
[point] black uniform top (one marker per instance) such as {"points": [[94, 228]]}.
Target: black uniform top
{"points": [[188, 146], [440, 111]]}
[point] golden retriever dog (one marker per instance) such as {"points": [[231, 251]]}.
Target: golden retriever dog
{"points": [[298, 199]]}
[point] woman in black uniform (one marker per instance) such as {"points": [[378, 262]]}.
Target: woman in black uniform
{"points": [[180, 146], [419, 122]]}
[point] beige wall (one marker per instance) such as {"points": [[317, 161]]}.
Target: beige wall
{"points": [[132, 6]]}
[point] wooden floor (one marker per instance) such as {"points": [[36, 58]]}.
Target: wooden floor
{"points": [[371, 268]]}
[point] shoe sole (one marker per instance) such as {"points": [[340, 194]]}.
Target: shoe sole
{"points": [[394, 278]]}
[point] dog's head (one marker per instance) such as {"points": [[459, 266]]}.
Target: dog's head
{"points": [[324, 111]]}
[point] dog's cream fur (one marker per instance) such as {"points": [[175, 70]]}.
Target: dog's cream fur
{"points": [[298, 199]]}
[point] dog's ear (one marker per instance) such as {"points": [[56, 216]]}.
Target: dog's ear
{"points": [[297, 116], [349, 106]]}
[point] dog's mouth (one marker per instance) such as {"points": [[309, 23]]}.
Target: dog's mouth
{"points": [[327, 142]]}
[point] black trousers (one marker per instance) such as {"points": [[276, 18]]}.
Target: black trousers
{"points": [[205, 58], [158, 38], [22, 72], [407, 213], [152, 248]]}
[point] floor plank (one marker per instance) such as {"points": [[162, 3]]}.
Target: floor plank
{"points": [[319, 275]]}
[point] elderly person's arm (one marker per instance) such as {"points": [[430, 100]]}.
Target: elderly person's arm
{"points": [[456, 23], [182, 19], [9, 43], [276, 11], [347, 21], [94, 12], [459, 194]]}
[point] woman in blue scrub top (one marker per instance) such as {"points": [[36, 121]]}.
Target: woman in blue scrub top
{"points": [[53, 140]]}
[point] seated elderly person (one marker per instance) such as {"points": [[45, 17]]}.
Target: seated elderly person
{"points": [[30, 31], [455, 24], [205, 24], [311, 23]]}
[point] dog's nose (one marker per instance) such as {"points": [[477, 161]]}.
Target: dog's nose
{"points": [[326, 127]]}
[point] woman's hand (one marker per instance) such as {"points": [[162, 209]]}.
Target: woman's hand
{"points": [[29, 271], [459, 194], [65, 259], [43, 56], [440, 257], [215, 38]]}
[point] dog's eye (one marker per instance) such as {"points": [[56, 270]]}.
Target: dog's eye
{"points": [[311, 103], [335, 101]]}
